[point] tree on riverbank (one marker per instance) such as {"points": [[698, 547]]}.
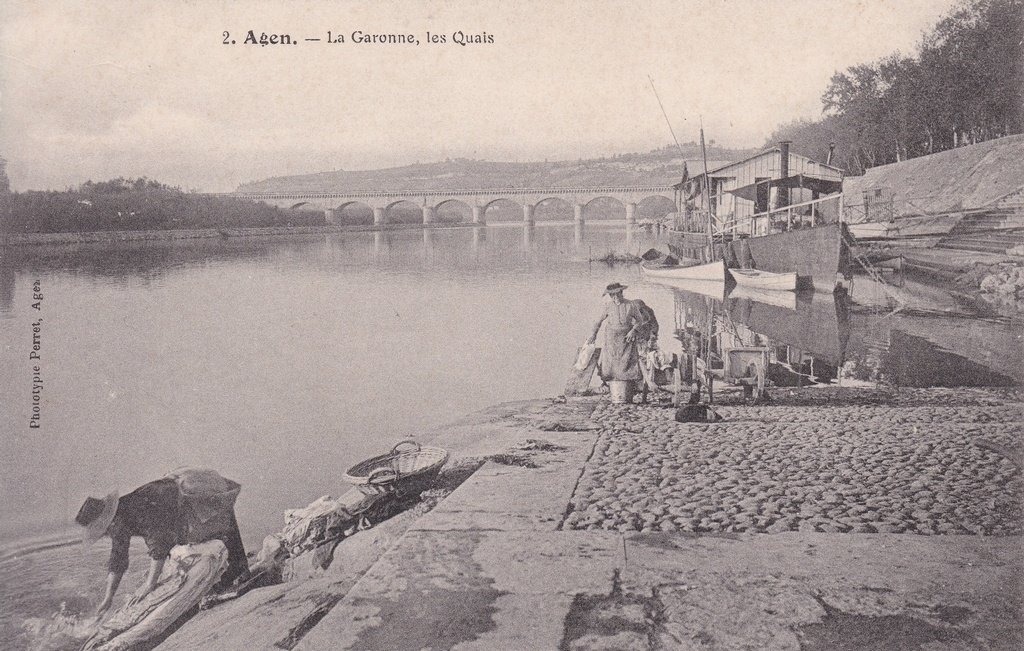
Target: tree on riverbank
{"points": [[965, 85], [141, 204]]}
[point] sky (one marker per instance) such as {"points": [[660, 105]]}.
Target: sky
{"points": [[97, 90]]}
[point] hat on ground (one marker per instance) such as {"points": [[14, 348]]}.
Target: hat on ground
{"points": [[615, 288], [96, 516]]}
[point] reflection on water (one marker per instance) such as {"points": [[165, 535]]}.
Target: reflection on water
{"points": [[815, 338], [381, 244], [283, 361], [529, 230]]}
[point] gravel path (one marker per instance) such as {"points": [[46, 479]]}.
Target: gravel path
{"points": [[814, 460]]}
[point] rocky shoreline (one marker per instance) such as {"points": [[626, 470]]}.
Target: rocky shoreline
{"points": [[579, 517]]}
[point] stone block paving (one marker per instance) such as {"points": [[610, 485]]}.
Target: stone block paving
{"points": [[867, 462]]}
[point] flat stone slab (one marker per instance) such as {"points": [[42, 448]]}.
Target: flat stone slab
{"points": [[493, 430], [506, 496], [470, 590], [801, 591], [262, 618]]}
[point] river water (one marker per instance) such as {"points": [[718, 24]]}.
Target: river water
{"points": [[283, 361]]}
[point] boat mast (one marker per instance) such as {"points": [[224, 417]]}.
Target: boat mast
{"points": [[707, 192], [670, 130]]}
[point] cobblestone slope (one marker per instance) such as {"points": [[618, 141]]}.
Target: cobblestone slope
{"points": [[914, 461]]}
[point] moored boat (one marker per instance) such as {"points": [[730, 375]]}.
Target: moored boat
{"points": [[731, 208], [711, 271], [764, 280], [710, 288]]}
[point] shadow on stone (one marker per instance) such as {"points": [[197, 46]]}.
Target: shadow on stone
{"points": [[839, 631], [618, 620]]}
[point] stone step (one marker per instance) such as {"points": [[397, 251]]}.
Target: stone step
{"points": [[993, 241], [974, 246], [987, 221]]}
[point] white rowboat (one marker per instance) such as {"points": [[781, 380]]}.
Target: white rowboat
{"points": [[785, 300], [709, 271], [764, 279], [712, 288]]}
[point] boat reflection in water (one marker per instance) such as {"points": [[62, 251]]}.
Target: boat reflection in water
{"points": [[792, 339]]}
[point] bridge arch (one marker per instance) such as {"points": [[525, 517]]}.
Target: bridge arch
{"points": [[604, 207], [403, 211], [553, 209], [453, 211], [303, 210], [352, 213], [502, 209], [655, 206]]}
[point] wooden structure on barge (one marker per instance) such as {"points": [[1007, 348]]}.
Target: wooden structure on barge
{"points": [[777, 211]]}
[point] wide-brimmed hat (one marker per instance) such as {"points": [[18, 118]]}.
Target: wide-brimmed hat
{"points": [[615, 288], [95, 516]]}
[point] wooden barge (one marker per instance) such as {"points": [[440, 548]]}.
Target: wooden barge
{"points": [[736, 223]]}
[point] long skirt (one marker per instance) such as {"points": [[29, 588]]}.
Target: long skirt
{"points": [[619, 359]]}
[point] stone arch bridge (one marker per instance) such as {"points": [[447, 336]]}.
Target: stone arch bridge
{"points": [[478, 200]]}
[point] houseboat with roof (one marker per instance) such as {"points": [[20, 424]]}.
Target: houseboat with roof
{"points": [[776, 212]]}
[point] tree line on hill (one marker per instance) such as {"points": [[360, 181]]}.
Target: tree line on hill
{"points": [[965, 85], [139, 204]]}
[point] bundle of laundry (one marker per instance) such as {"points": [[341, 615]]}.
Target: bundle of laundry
{"points": [[659, 365], [188, 575], [324, 520], [586, 353]]}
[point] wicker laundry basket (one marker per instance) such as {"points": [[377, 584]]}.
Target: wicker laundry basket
{"points": [[407, 470]]}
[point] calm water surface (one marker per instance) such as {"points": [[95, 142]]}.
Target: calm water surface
{"points": [[283, 361]]}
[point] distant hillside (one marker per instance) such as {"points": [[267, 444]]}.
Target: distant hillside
{"points": [[659, 167]]}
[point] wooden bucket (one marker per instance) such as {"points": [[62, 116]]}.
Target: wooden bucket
{"points": [[621, 391]]}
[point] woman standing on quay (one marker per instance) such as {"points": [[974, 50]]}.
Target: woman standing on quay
{"points": [[624, 322]]}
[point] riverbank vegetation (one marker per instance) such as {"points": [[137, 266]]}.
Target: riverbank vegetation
{"points": [[140, 204], [965, 84]]}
